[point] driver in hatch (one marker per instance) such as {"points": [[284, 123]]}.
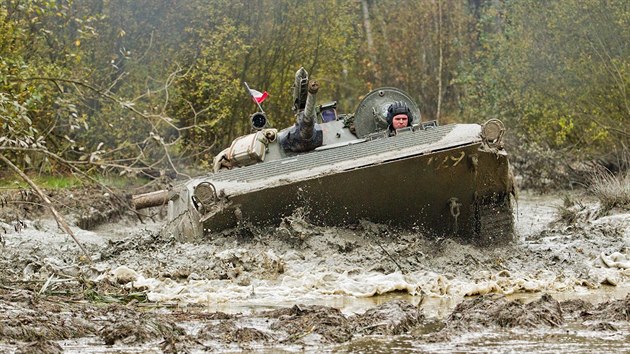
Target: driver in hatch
{"points": [[398, 116]]}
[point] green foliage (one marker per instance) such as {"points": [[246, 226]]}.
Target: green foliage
{"points": [[559, 75], [262, 43], [209, 94], [112, 85], [36, 43]]}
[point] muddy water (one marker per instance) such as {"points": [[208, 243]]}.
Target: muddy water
{"points": [[573, 336], [568, 339], [247, 274]]}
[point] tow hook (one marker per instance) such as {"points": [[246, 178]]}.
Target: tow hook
{"points": [[454, 205]]}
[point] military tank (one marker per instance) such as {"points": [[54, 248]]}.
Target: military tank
{"points": [[338, 169]]}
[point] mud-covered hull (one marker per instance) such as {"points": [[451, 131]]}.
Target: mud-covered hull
{"points": [[444, 181]]}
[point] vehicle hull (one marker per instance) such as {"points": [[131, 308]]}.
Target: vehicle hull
{"points": [[446, 183]]}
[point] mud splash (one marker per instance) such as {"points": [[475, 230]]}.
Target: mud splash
{"points": [[370, 288]]}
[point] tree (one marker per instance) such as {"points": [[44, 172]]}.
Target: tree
{"points": [[420, 48], [263, 43], [560, 75]]}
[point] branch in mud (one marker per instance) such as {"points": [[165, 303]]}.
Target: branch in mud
{"points": [[60, 220]]}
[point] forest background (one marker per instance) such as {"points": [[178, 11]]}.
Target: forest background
{"points": [[119, 86]]}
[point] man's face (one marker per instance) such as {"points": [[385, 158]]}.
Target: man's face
{"points": [[400, 121]]}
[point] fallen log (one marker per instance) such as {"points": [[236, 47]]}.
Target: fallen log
{"points": [[151, 199]]}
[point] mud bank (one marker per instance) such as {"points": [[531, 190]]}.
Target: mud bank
{"points": [[300, 286]]}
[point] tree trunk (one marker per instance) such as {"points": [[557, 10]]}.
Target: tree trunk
{"points": [[440, 59], [370, 41]]}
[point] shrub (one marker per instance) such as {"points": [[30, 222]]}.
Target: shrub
{"points": [[613, 191]]}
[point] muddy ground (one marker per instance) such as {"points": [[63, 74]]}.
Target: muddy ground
{"points": [[301, 287]]}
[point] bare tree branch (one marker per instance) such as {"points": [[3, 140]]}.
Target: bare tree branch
{"points": [[60, 220], [106, 94]]}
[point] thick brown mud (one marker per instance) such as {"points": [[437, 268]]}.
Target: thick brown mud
{"points": [[561, 287]]}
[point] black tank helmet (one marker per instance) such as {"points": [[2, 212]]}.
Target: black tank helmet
{"points": [[396, 108]]}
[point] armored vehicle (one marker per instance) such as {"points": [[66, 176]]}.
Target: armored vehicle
{"points": [[337, 169]]}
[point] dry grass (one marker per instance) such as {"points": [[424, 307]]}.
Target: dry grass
{"points": [[613, 191], [569, 211]]}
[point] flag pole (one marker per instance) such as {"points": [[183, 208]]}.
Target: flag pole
{"points": [[250, 93]]}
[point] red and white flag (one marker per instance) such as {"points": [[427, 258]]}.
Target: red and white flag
{"points": [[258, 96]]}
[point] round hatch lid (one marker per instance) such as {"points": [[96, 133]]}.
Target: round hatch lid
{"points": [[371, 114]]}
